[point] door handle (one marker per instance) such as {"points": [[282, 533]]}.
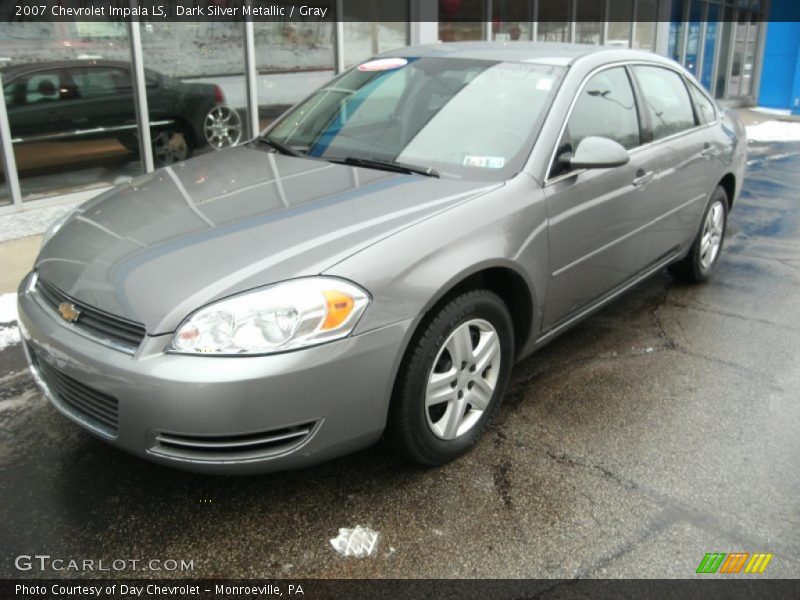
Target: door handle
{"points": [[643, 178], [709, 151]]}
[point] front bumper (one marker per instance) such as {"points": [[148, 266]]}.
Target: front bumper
{"points": [[217, 414]]}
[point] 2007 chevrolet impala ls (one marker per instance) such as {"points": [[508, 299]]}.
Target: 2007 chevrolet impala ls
{"points": [[378, 259]]}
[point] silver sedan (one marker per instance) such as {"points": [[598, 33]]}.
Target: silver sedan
{"points": [[375, 263]]}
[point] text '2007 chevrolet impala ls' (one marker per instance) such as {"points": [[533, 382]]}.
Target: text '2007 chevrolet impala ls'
{"points": [[376, 261]]}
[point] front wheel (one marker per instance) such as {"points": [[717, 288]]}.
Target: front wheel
{"points": [[452, 379], [704, 254], [170, 146]]}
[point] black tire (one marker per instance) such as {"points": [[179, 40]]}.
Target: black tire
{"points": [[131, 143], [408, 430], [692, 269], [163, 141]]}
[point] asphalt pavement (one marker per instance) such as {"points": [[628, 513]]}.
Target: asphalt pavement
{"points": [[662, 428]]}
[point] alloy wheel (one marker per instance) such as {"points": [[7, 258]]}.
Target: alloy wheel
{"points": [[170, 147], [713, 230], [223, 127], [463, 379]]}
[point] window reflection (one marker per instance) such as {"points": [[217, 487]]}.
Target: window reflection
{"points": [[293, 58], [70, 104]]}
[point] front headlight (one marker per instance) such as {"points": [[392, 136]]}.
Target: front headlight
{"points": [[280, 317]]}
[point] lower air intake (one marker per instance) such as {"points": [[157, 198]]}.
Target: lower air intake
{"points": [[222, 448]]}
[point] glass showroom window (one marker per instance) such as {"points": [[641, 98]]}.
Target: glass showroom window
{"points": [[293, 58], [553, 22], [589, 21], [461, 20], [726, 33], [644, 33], [511, 20], [371, 28], [5, 196], [194, 74], [69, 97], [620, 17]]}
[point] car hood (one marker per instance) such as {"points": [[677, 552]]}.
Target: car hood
{"points": [[169, 242]]}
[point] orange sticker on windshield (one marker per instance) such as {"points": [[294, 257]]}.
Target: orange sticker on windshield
{"points": [[383, 64]]}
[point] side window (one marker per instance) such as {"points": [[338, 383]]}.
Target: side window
{"points": [[10, 92], [42, 87], [667, 100], [705, 109], [98, 82], [606, 108]]}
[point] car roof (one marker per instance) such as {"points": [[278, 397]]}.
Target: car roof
{"points": [[548, 53]]}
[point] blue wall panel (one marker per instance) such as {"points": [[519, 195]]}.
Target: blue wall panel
{"points": [[780, 85]]}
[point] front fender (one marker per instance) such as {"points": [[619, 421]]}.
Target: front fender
{"points": [[408, 272]]}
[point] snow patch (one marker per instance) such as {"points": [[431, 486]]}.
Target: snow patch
{"points": [[8, 308], [358, 542], [9, 336], [774, 131]]}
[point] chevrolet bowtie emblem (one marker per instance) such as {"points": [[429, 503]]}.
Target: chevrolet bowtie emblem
{"points": [[68, 312]]}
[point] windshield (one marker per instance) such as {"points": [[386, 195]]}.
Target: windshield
{"points": [[471, 119]]}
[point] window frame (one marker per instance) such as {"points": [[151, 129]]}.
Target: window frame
{"points": [[682, 79], [646, 136]]}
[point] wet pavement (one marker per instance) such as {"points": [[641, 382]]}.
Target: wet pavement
{"points": [[664, 427]]}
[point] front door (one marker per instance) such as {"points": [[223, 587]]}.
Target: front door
{"points": [[597, 217]]}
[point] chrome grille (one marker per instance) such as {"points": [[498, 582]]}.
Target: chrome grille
{"points": [[232, 447], [105, 327], [97, 408]]}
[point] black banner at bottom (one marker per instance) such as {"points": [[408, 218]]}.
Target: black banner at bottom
{"points": [[418, 589]]}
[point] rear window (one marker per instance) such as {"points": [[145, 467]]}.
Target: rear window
{"points": [[705, 109], [666, 100]]}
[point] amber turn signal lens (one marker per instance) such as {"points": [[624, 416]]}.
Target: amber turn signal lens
{"points": [[339, 308]]}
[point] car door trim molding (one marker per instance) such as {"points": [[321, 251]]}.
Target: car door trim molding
{"points": [[634, 85], [48, 137], [587, 310]]}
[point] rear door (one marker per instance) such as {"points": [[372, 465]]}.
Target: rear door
{"points": [[104, 98], [597, 217], [687, 147]]}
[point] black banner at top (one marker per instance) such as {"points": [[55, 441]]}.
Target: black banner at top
{"points": [[464, 11]]}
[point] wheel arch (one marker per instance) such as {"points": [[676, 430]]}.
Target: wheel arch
{"points": [[728, 183], [505, 279]]}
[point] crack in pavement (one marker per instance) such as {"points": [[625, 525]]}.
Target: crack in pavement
{"points": [[673, 512], [702, 307]]}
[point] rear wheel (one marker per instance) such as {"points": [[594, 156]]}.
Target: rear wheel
{"points": [[704, 254], [452, 379], [222, 127]]}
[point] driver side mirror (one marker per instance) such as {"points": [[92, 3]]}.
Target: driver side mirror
{"points": [[595, 153]]}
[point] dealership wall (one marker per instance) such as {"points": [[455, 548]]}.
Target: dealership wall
{"points": [[780, 81]]}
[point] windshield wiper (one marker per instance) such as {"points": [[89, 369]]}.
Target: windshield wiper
{"points": [[276, 145], [388, 165]]}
